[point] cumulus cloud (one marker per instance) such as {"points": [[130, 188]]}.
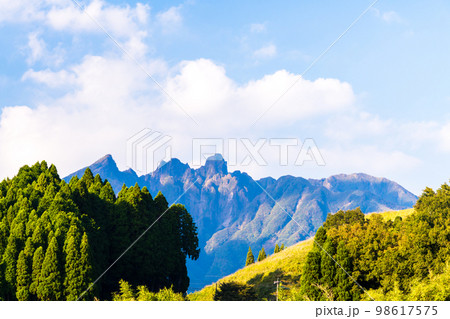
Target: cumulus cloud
{"points": [[100, 105], [108, 99], [205, 91]]}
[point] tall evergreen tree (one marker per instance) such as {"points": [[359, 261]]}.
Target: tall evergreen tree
{"points": [[10, 263], [85, 266], [277, 249], [311, 276], [23, 277], [345, 284], [2, 282], [328, 268], [72, 268], [4, 234], [262, 254], [24, 271], [321, 236], [38, 260], [39, 234], [78, 268], [250, 258], [50, 280], [88, 177]]}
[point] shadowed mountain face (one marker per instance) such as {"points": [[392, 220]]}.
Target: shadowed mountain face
{"points": [[233, 212]]}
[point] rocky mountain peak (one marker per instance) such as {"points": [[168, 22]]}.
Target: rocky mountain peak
{"points": [[214, 164], [174, 167], [106, 161]]}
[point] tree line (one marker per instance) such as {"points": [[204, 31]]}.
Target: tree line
{"points": [[56, 238], [250, 259], [395, 260]]}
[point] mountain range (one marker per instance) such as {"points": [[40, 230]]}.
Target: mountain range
{"points": [[233, 211]]}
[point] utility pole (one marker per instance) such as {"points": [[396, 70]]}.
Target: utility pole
{"points": [[277, 283]]}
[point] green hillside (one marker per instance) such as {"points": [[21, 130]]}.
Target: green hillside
{"points": [[287, 266]]}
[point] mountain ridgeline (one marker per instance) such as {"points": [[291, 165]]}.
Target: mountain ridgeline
{"points": [[232, 212], [57, 238]]}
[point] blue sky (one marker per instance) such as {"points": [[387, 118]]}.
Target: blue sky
{"points": [[377, 102]]}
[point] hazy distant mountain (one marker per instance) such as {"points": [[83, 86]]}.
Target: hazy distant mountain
{"points": [[233, 212]]}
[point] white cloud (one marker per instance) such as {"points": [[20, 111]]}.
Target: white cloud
{"points": [[108, 100], [124, 23], [19, 11], [38, 51], [206, 92], [257, 27], [387, 16], [268, 51], [128, 25], [66, 15], [37, 48], [50, 78], [102, 104], [120, 22], [170, 20]]}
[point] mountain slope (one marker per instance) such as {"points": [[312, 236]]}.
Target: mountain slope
{"points": [[107, 168], [232, 211], [286, 266]]}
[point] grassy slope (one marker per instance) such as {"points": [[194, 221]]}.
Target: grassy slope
{"points": [[286, 265], [392, 214]]}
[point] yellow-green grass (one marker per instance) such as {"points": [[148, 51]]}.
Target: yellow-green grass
{"points": [[390, 215], [286, 265]]}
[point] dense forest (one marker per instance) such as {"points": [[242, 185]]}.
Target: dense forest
{"points": [[359, 258], [57, 238]]}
